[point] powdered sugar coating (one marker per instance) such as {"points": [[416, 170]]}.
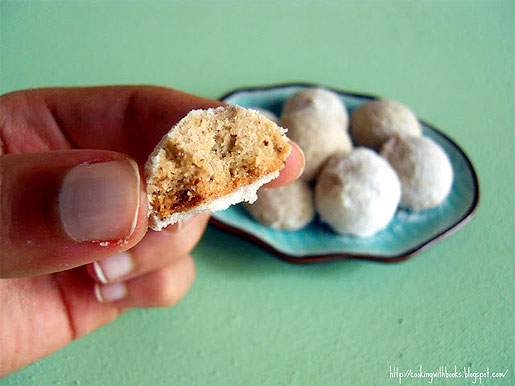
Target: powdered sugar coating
{"points": [[373, 123], [317, 121], [319, 136], [318, 99], [357, 193], [289, 207], [423, 168]]}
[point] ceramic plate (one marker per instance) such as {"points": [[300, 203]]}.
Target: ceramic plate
{"points": [[408, 234]]}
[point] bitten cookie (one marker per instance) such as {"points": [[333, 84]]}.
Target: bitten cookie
{"points": [[210, 160], [373, 123], [289, 207], [424, 170], [357, 193]]}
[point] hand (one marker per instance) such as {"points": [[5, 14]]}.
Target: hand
{"points": [[75, 250]]}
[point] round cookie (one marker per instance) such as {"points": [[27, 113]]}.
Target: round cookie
{"points": [[317, 121], [424, 170], [357, 193], [319, 135], [320, 99], [289, 207], [373, 123]]}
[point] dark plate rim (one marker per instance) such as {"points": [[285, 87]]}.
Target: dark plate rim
{"points": [[463, 220]]}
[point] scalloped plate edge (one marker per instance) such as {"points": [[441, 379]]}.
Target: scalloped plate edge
{"points": [[462, 221]]}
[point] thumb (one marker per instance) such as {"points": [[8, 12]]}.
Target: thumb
{"points": [[63, 209]]}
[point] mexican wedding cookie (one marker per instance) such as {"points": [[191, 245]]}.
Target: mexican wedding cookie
{"points": [[210, 160], [424, 170], [357, 193], [317, 121], [320, 99], [373, 123], [289, 207]]}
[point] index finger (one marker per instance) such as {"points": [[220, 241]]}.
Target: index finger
{"points": [[126, 119]]}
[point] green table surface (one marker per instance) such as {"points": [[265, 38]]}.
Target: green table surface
{"points": [[251, 318]]}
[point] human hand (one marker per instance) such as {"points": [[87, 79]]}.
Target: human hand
{"points": [[75, 250]]}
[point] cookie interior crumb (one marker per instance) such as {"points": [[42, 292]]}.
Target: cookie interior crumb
{"points": [[211, 153]]}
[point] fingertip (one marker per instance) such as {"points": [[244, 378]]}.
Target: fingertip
{"points": [[69, 208], [292, 169], [299, 157]]}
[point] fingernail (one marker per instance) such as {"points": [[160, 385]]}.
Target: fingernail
{"points": [[107, 293], [113, 267], [100, 201]]}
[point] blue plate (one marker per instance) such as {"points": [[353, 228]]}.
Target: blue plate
{"points": [[408, 234]]}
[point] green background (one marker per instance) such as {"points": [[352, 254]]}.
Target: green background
{"points": [[250, 318]]}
